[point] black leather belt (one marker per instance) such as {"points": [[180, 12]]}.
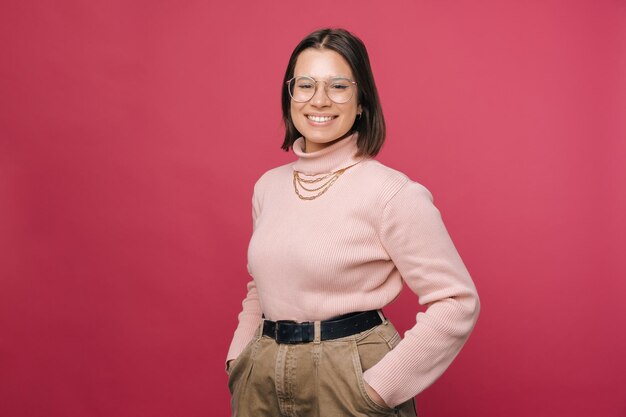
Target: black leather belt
{"points": [[290, 331]]}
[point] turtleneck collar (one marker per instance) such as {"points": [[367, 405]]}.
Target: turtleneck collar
{"points": [[331, 158]]}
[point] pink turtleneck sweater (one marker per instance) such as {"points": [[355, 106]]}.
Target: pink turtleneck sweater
{"points": [[349, 250]]}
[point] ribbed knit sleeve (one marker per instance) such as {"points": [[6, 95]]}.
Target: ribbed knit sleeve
{"points": [[414, 235], [250, 316]]}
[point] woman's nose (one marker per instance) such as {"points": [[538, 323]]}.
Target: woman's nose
{"points": [[320, 98]]}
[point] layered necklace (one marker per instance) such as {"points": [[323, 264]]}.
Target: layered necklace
{"points": [[331, 177]]}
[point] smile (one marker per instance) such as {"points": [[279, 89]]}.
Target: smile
{"points": [[320, 119]]}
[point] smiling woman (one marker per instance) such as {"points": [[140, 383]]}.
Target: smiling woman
{"points": [[335, 233], [320, 119], [339, 61]]}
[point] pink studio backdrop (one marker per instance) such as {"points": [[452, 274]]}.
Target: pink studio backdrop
{"points": [[131, 133]]}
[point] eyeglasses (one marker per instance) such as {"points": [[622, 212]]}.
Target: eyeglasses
{"points": [[338, 89]]}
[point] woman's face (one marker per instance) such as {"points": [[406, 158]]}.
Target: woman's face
{"points": [[322, 64]]}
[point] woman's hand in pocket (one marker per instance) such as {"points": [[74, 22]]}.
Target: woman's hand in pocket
{"points": [[374, 395]]}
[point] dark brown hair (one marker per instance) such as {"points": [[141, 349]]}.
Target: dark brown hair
{"points": [[371, 125]]}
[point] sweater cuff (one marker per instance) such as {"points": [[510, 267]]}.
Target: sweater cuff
{"points": [[385, 390]]}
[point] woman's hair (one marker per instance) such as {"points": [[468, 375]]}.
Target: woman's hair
{"points": [[371, 125]]}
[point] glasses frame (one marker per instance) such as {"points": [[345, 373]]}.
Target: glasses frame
{"points": [[325, 88]]}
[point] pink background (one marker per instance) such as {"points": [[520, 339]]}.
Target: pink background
{"points": [[131, 133]]}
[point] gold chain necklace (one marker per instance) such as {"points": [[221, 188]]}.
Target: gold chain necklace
{"points": [[333, 177]]}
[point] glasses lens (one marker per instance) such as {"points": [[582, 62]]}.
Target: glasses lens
{"points": [[340, 90], [302, 89]]}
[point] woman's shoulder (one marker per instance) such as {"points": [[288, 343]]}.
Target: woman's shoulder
{"points": [[393, 179], [272, 175], [381, 170]]}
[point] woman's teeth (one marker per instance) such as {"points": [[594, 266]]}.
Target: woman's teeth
{"points": [[321, 119]]}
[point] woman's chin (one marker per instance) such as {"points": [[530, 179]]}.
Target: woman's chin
{"points": [[319, 143], [323, 138]]}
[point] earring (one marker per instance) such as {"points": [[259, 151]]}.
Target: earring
{"points": [[358, 116]]}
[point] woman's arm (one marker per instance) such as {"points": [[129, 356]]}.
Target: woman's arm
{"points": [[250, 316], [249, 320], [414, 235]]}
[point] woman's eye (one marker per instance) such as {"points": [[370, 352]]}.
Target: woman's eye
{"points": [[305, 86], [338, 86]]}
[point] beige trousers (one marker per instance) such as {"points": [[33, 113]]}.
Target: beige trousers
{"points": [[321, 378]]}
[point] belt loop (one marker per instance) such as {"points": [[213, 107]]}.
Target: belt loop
{"points": [[382, 317], [260, 332], [317, 325]]}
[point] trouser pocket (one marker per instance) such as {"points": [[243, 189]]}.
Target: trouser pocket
{"points": [[369, 349], [240, 366]]}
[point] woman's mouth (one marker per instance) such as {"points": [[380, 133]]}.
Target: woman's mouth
{"points": [[320, 120]]}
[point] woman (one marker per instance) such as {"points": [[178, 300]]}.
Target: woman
{"points": [[335, 234]]}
